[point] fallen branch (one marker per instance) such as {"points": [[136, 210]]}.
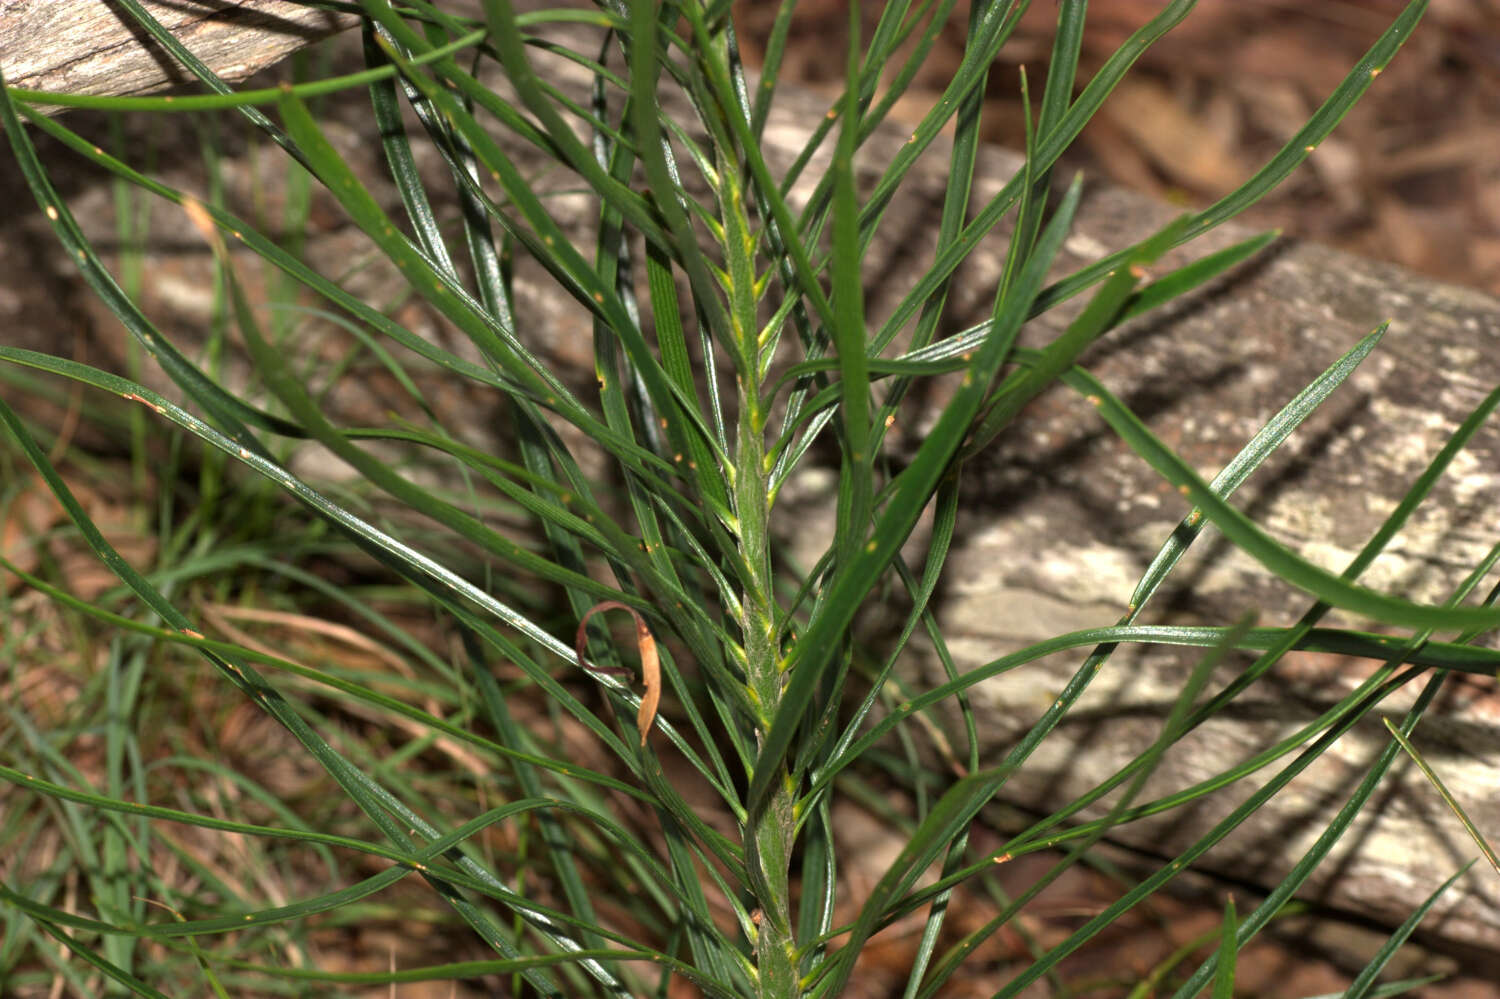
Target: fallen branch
{"points": [[93, 47]]}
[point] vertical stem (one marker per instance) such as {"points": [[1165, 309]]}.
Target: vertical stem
{"points": [[769, 831], [768, 835]]}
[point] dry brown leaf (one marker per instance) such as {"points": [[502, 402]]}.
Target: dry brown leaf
{"points": [[30, 515], [1177, 142], [650, 663]]}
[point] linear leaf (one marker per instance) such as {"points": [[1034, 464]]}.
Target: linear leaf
{"points": [[1256, 543]]}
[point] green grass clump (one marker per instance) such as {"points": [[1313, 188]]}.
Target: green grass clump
{"points": [[333, 706]]}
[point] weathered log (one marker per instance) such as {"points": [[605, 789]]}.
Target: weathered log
{"points": [[94, 47], [1060, 518]]}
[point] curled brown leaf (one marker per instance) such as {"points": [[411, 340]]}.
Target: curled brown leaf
{"points": [[650, 663]]}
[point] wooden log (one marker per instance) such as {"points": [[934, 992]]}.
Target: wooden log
{"points": [[93, 47], [1060, 518]]}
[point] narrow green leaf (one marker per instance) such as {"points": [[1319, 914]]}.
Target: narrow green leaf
{"points": [[1159, 292], [1390, 989], [1228, 951], [1361, 986], [1250, 457], [956, 195], [239, 99], [1101, 315], [403, 164], [1245, 534], [856, 475]]}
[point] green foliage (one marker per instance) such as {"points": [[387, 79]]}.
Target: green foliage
{"points": [[656, 490]]}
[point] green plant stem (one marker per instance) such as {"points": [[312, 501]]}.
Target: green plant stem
{"points": [[771, 829]]}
